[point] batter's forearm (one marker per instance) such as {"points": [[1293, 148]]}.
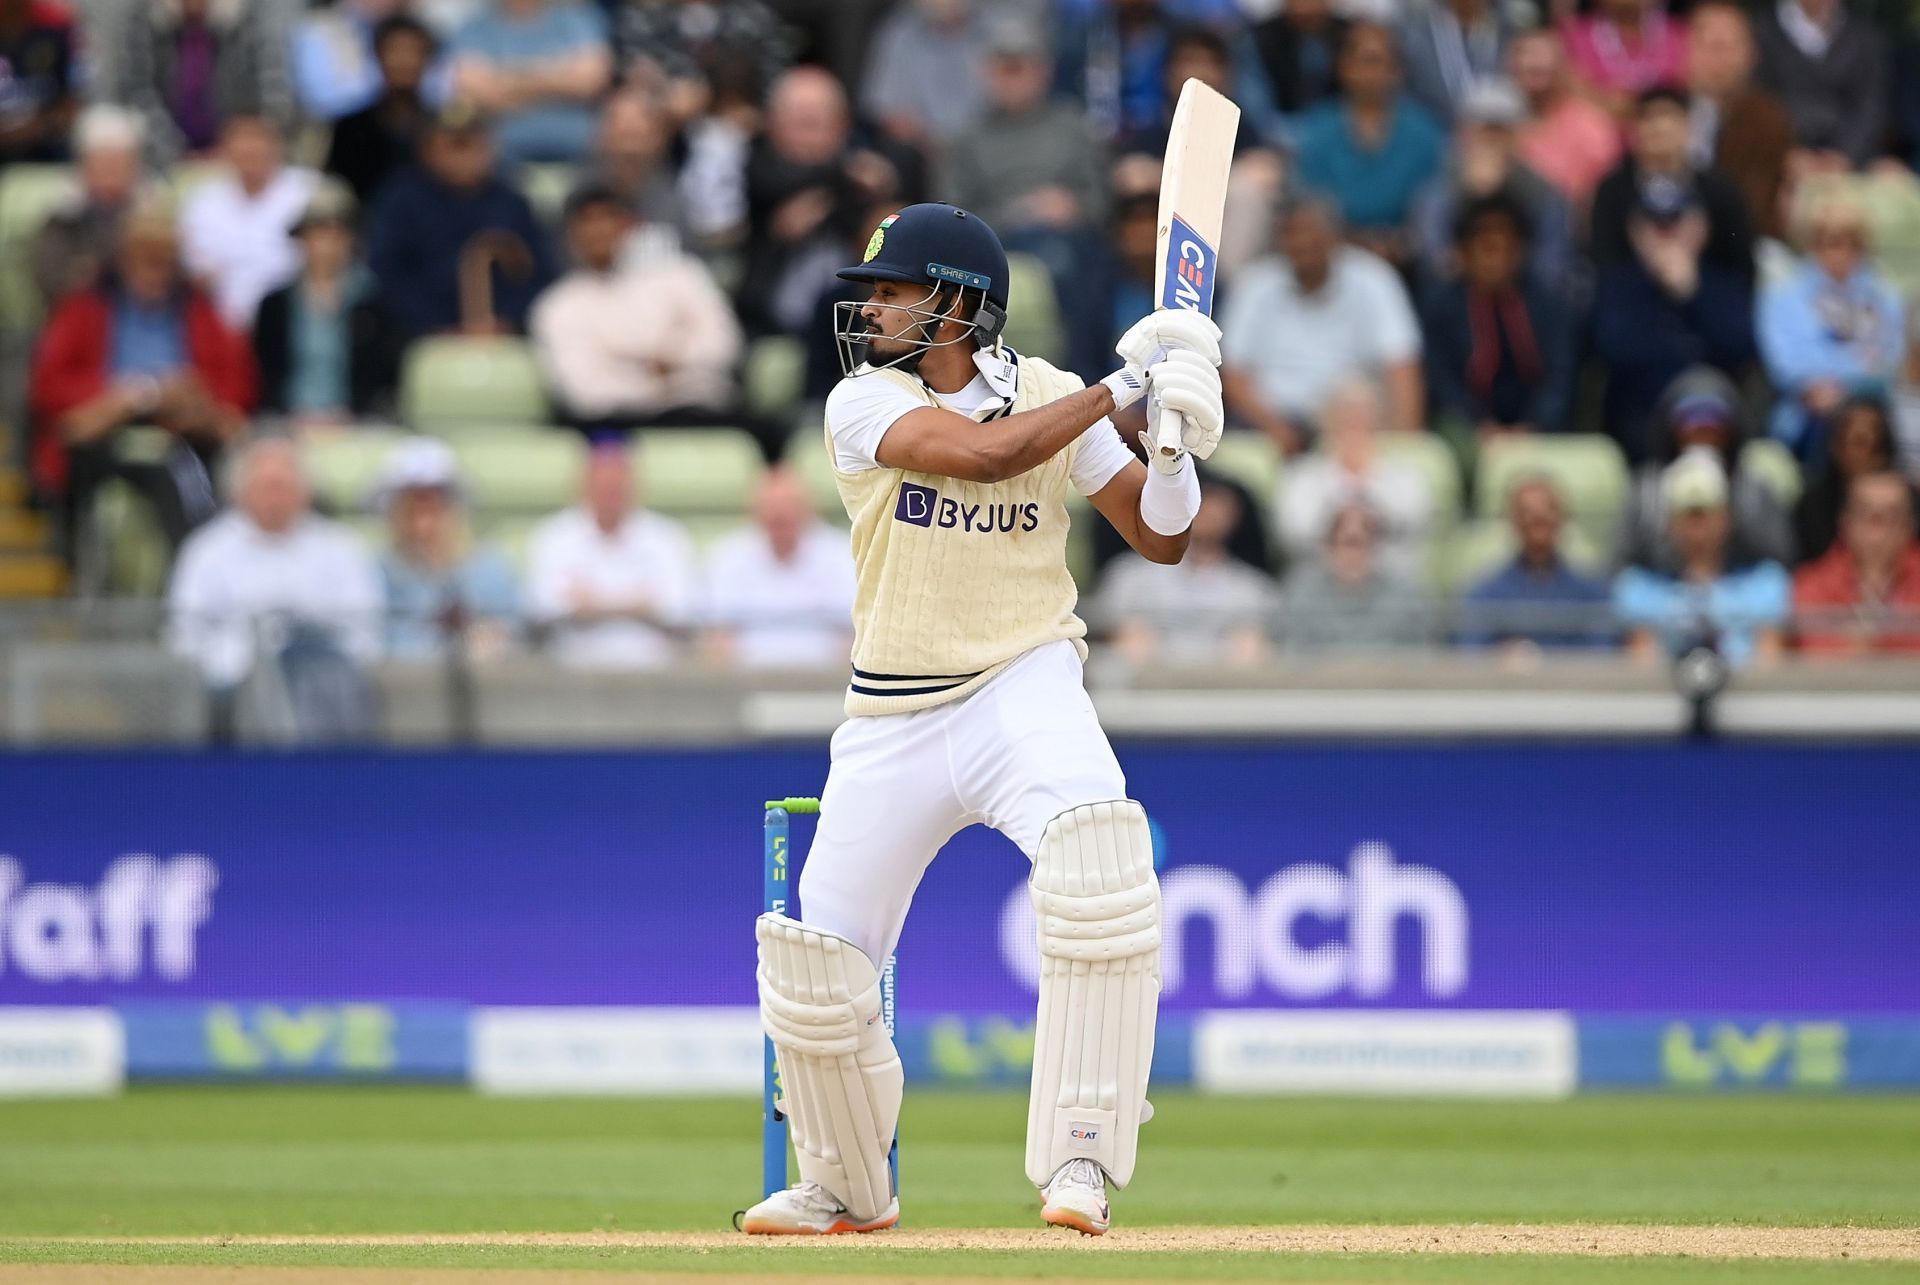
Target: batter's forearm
{"points": [[1031, 438]]}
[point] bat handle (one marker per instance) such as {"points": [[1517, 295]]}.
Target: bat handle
{"points": [[1167, 433]]}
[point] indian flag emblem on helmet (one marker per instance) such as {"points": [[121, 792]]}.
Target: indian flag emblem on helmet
{"points": [[878, 239]]}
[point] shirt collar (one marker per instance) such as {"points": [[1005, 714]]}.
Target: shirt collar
{"points": [[1000, 367]]}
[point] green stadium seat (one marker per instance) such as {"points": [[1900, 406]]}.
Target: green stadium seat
{"points": [[1774, 465], [776, 375], [547, 186], [511, 533], [806, 455], [188, 177], [1481, 546], [1588, 468], [1250, 459], [533, 471], [451, 384], [1033, 322], [344, 467], [1436, 462], [698, 470], [28, 194], [707, 528]]}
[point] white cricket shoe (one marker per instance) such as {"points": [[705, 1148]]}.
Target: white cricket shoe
{"points": [[810, 1210], [1076, 1197]]}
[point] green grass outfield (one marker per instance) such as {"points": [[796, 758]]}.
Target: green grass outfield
{"points": [[344, 1162]]}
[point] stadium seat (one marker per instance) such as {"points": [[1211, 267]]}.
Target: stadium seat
{"points": [[1588, 468], [1774, 465], [1033, 322], [807, 455], [1481, 546], [451, 384], [28, 194], [511, 533], [344, 467], [1250, 459], [776, 376], [1436, 462], [525, 471], [697, 470], [188, 177]]}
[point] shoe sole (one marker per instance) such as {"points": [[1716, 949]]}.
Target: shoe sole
{"points": [[1073, 1218], [754, 1227]]}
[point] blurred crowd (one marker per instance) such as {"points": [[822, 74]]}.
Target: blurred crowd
{"points": [[1686, 230]]}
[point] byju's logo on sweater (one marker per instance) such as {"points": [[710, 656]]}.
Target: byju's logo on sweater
{"points": [[923, 506], [916, 504]]}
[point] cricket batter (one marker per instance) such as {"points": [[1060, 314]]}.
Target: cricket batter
{"points": [[953, 454]]}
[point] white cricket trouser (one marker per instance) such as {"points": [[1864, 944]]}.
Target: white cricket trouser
{"points": [[1013, 755]]}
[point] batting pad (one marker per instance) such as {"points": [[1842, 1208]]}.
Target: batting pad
{"points": [[839, 1074], [1098, 909]]}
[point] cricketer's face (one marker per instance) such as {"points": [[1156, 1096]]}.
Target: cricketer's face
{"points": [[895, 315]]}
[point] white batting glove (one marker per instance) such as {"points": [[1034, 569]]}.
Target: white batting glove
{"points": [[1128, 385], [1187, 383], [1169, 330]]}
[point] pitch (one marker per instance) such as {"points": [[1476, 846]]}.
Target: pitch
{"points": [[391, 1184]]}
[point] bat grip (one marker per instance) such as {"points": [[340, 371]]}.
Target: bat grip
{"points": [[1167, 433]]}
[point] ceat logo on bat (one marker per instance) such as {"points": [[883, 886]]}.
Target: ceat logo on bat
{"points": [[1189, 276]]}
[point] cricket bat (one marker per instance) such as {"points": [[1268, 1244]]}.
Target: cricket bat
{"points": [[1193, 196]]}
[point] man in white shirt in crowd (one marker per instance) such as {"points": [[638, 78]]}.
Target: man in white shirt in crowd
{"points": [[624, 338], [1348, 467], [1297, 325], [267, 566], [612, 582], [235, 229], [779, 593]]}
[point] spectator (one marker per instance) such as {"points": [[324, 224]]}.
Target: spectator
{"points": [[1499, 348], [1193, 53], [1673, 250], [1739, 129], [1111, 56], [326, 350], [234, 228], [1486, 163], [188, 66], [1348, 469], [78, 239], [1449, 47], [141, 347], [807, 186], [612, 582], [336, 60], [1710, 597], [1831, 71], [1701, 411], [1032, 164], [443, 229], [1297, 48], [1538, 601], [779, 593], [633, 156], [633, 340], [37, 101], [1864, 594], [537, 67], [1122, 286], [1567, 140], [441, 590], [270, 574], [1349, 599], [1834, 328], [713, 169], [1208, 609], [926, 75], [678, 49], [1297, 326], [382, 138], [1862, 441], [1624, 48], [1373, 148]]}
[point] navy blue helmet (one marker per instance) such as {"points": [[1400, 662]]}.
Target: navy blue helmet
{"points": [[942, 247]]}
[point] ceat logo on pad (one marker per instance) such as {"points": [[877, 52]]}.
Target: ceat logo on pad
{"points": [[1083, 1134]]}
